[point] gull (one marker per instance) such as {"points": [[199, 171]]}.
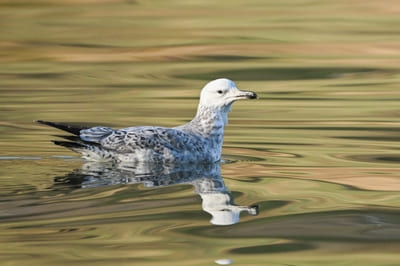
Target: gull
{"points": [[199, 140]]}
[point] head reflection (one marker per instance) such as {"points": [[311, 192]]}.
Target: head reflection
{"points": [[217, 200]]}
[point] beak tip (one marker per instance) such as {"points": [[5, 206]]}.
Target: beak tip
{"points": [[253, 95]]}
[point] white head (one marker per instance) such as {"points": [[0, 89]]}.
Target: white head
{"points": [[221, 93]]}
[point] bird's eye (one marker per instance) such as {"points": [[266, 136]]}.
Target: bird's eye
{"points": [[220, 92]]}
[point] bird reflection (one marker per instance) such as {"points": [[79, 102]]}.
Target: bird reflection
{"points": [[217, 200]]}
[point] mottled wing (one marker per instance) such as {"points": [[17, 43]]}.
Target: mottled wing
{"points": [[154, 138], [95, 134]]}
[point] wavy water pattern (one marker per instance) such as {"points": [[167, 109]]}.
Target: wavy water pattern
{"points": [[310, 171]]}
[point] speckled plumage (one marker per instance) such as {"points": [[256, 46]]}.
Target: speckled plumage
{"points": [[199, 140]]}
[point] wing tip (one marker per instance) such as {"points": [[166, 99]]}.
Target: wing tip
{"points": [[69, 144], [40, 121], [66, 127]]}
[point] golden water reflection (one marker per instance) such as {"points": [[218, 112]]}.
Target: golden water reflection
{"points": [[318, 152], [206, 179]]}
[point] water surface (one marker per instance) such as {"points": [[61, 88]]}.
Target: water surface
{"points": [[318, 154]]}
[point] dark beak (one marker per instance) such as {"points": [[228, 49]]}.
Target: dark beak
{"points": [[247, 95]]}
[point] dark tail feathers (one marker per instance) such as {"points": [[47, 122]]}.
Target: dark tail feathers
{"points": [[70, 145], [69, 128]]}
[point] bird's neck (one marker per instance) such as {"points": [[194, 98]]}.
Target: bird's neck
{"points": [[210, 122]]}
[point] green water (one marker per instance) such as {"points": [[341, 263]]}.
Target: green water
{"points": [[318, 153]]}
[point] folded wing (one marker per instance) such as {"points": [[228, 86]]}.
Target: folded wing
{"points": [[151, 138]]}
